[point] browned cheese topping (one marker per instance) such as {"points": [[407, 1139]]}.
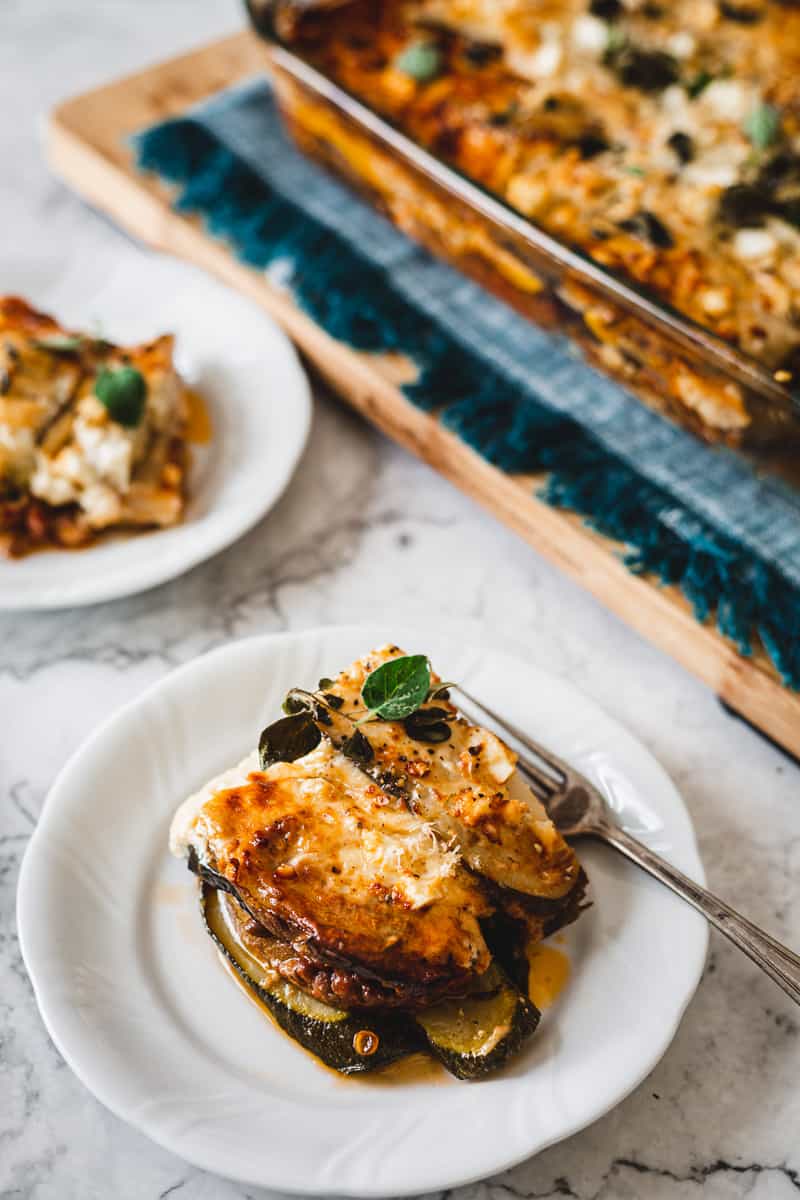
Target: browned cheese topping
{"points": [[662, 139]]}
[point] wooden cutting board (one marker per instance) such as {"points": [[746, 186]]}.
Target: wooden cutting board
{"points": [[87, 146]]}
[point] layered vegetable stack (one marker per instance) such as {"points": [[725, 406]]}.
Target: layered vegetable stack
{"points": [[377, 872]]}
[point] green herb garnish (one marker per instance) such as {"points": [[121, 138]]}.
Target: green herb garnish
{"points": [[123, 391], [762, 125], [358, 748], [428, 725], [288, 739], [295, 704], [698, 84], [397, 687], [617, 38], [421, 60]]}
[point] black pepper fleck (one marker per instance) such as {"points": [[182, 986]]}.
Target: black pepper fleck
{"points": [[646, 225], [682, 146]]}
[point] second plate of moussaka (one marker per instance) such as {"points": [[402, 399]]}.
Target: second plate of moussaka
{"points": [[125, 462]]}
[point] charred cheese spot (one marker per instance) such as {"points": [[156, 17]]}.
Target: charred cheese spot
{"points": [[339, 864]]}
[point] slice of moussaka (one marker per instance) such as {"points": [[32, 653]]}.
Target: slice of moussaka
{"points": [[391, 867], [91, 434]]}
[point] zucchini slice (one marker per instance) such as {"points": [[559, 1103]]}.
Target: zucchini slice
{"points": [[348, 1042], [471, 1037], [474, 1036]]}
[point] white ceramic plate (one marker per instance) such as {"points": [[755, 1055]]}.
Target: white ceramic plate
{"points": [[135, 997], [248, 374]]}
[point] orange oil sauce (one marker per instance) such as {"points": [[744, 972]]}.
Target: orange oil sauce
{"points": [[199, 428], [548, 973], [416, 1068]]}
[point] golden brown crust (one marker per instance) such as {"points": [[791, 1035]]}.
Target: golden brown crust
{"points": [[467, 787], [382, 891], [569, 138], [336, 868]]}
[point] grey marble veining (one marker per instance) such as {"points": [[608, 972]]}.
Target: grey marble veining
{"points": [[364, 530]]}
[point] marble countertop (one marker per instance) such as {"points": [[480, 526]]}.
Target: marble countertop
{"points": [[364, 529]]}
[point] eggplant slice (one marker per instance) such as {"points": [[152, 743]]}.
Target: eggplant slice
{"points": [[351, 1044], [471, 1037]]}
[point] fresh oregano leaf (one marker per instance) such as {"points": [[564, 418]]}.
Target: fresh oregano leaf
{"points": [[762, 125], [428, 725], [325, 683], [397, 687], [123, 391], [698, 84], [288, 739], [294, 704], [357, 748], [421, 60]]}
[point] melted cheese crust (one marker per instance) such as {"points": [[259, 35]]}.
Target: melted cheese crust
{"points": [[389, 879], [469, 788], [571, 117], [321, 855]]}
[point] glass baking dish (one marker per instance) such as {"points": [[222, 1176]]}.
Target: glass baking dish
{"points": [[665, 359]]}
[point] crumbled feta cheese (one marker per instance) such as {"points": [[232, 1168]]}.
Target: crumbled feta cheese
{"points": [[50, 485], [752, 244], [674, 100], [102, 505], [546, 60], [711, 174], [589, 34], [681, 44], [108, 450], [728, 99], [715, 300]]}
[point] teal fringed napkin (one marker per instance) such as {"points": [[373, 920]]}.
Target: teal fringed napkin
{"points": [[700, 519]]}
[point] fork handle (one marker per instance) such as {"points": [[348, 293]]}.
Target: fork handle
{"points": [[780, 963]]}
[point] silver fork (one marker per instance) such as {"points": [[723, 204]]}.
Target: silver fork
{"points": [[578, 809]]}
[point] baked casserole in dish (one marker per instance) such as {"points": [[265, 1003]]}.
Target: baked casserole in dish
{"points": [[626, 172]]}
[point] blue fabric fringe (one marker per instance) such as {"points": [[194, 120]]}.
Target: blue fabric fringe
{"points": [[354, 300]]}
